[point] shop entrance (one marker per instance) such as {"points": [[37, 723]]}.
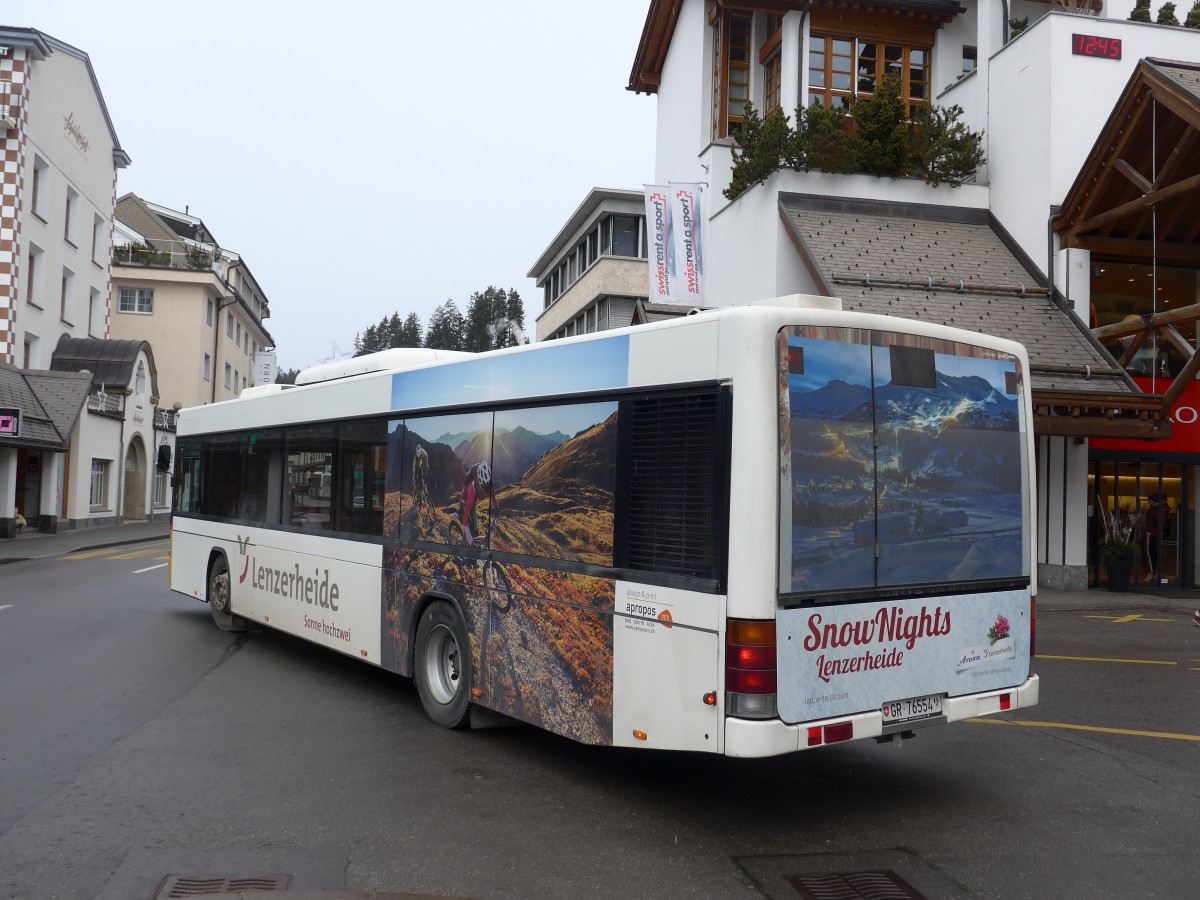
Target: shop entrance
{"points": [[1153, 503]]}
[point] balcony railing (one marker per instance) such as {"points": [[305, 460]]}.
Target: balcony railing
{"points": [[105, 403], [164, 419], [10, 104], [168, 255]]}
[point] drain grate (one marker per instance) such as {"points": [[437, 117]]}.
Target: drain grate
{"points": [[174, 886], [880, 884]]}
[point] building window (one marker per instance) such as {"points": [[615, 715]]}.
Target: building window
{"points": [[37, 266], [229, 324], [33, 351], [228, 372], [98, 493], [841, 69], [139, 384], [254, 348], [160, 488], [731, 69], [71, 218], [136, 300], [238, 340], [625, 235], [771, 58], [207, 367], [99, 242], [208, 312], [66, 305], [970, 61], [41, 186], [95, 314]]}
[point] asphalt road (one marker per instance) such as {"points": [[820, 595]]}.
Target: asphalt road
{"points": [[138, 741]]}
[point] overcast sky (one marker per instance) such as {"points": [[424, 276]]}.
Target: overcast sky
{"points": [[368, 157]]}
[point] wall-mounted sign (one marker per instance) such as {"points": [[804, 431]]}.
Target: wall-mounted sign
{"points": [[10, 421], [75, 134], [265, 368], [1091, 45], [1185, 419]]}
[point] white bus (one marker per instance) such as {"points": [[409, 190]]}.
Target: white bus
{"points": [[748, 532]]}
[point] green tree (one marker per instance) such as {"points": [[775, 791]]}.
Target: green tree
{"points": [[762, 147], [1193, 16], [409, 333], [286, 376], [446, 327], [823, 140], [1141, 11], [883, 134], [945, 149], [1166, 15], [514, 311]]}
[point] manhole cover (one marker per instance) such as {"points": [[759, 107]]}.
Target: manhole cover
{"points": [[881, 884], [198, 885]]}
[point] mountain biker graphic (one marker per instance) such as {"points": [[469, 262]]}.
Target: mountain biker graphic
{"points": [[420, 469], [477, 480]]}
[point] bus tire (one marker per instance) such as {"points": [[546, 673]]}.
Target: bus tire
{"points": [[442, 668], [220, 597]]}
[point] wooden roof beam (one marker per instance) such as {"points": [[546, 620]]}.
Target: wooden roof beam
{"points": [[1136, 249], [1143, 184]]}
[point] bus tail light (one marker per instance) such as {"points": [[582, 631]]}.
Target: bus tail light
{"points": [[1005, 702], [751, 679], [1032, 627]]}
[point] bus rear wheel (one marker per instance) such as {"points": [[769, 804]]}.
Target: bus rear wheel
{"points": [[443, 666], [219, 597]]}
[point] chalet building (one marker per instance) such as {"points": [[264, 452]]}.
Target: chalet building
{"points": [[1080, 236], [176, 287]]}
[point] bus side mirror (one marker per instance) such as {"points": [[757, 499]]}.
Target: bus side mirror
{"points": [[164, 458]]}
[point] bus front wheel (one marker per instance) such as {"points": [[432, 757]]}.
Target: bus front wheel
{"points": [[219, 597], [443, 666]]}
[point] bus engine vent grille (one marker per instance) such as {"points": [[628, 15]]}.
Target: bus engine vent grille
{"points": [[673, 482]]}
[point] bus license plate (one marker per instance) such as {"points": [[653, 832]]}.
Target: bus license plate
{"points": [[913, 708]]}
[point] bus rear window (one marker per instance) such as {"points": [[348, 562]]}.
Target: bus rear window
{"points": [[903, 463]]}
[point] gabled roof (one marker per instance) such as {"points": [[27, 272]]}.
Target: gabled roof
{"points": [[952, 266], [40, 45], [663, 15], [110, 362], [50, 403], [1138, 195]]}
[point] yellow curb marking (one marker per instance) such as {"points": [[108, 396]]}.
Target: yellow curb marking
{"points": [[1133, 617], [136, 554], [92, 554], [1139, 662], [1166, 735]]}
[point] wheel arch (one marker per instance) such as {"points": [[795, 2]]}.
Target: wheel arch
{"points": [[425, 601], [213, 555]]}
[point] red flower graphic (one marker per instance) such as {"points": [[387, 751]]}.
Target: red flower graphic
{"points": [[999, 630]]}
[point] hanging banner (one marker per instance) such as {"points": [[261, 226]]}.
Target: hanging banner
{"points": [[673, 232]]}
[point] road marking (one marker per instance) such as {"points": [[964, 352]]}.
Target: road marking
{"points": [[149, 569], [9, 606], [136, 554], [1166, 735], [1136, 662], [1133, 617], [105, 551]]}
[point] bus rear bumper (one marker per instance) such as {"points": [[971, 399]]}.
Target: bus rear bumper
{"points": [[773, 737]]}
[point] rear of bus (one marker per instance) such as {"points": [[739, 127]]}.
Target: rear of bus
{"points": [[903, 593]]}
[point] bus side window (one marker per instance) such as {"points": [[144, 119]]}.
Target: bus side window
{"points": [[361, 460]]}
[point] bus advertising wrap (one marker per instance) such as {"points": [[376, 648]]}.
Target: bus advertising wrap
{"points": [[673, 235], [835, 661]]}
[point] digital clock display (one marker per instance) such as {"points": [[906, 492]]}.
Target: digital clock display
{"points": [[1090, 45]]}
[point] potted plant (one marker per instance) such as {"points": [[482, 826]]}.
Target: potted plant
{"points": [[1119, 548]]}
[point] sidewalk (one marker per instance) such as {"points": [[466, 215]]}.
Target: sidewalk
{"points": [[35, 545], [1168, 601]]}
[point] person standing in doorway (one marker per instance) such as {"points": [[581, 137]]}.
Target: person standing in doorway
{"points": [[1153, 530]]}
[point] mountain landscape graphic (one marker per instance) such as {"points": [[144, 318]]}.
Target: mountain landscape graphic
{"points": [[956, 397]]}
